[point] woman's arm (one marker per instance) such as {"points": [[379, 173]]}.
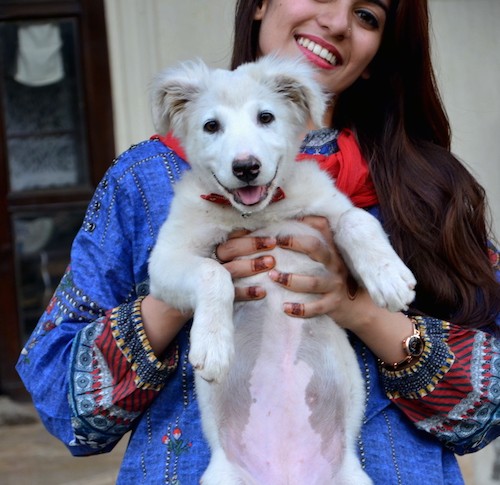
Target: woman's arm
{"points": [[450, 391], [453, 391], [89, 365], [161, 323]]}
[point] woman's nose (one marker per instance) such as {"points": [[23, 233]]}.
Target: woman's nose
{"points": [[336, 17]]}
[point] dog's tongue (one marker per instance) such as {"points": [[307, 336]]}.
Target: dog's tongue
{"points": [[250, 194]]}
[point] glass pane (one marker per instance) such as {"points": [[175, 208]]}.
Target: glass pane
{"points": [[42, 252], [42, 104]]}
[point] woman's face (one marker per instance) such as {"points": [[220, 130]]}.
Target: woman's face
{"points": [[339, 37]]}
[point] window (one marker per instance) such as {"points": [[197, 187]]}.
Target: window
{"points": [[56, 140]]}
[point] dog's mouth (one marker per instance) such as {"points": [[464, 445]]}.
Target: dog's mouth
{"points": [[250, 194]]}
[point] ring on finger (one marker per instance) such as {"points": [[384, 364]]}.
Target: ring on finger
{"points": [[215, 256]]}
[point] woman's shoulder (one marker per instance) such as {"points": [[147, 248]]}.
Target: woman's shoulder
{"points": [[138, 185], [320, 142], [149, 158]]}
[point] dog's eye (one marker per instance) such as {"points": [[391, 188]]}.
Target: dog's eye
{"points": [[211, 126], [265, 117]]}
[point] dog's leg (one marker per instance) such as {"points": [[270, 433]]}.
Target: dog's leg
{"points": [[221, 472], [363, 244], [367, 252], [202, 284], [351, 472], [212, 332]]}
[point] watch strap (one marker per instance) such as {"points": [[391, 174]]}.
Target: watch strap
{"points": [[413, 346]]}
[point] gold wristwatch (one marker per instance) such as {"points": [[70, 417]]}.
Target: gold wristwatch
{"points": [[413, 346]]}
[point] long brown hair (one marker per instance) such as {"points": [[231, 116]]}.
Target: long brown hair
{"points": [[431, 206]]}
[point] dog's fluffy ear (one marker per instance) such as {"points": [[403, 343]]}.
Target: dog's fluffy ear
{"points": [[294, 79], [171, 92]]}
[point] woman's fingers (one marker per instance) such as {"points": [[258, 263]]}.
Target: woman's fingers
{"points": [[320, 249], [314, 247], [241, 268], [329, 303], [238, 246], [249, 293], [303, 283], [329, 286], [308, 310]]}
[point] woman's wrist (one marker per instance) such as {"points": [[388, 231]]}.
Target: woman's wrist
{"points": [[384, 333], [161, 323], [413, 347]]}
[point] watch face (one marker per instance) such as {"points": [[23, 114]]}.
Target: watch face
{"points": [[415, 345]]}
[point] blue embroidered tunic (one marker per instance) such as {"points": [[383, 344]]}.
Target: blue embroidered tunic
{"points": [[93, 377]]}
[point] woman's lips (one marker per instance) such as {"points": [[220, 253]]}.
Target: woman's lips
{"points": [[327, 54]]}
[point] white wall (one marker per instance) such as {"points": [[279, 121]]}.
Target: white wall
{"points": [[148, 35], [467, 61]]}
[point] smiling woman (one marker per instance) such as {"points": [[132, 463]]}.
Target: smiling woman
{"points": [[107, 357], [354, 33]]}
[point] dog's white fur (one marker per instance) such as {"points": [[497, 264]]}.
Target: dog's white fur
{"points": [[281, 398]]}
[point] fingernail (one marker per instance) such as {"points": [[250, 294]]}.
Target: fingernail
{"points": [[274, 275], [265, 243], [256, 292], [263, 263], [284, 241], [294, 309], [281, 278]]}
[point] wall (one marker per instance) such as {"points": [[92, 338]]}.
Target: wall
{"points": [[467, 60], [148, 35]]}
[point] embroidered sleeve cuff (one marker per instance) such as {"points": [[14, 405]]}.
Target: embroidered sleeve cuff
{"points": [[128, 331], [420, 379]]}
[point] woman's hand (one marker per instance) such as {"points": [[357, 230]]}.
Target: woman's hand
{"points": [[241, 244], [338, 294], [163, 322], [340, 297]]}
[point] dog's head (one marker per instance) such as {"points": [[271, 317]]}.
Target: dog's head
{"points": [[240, 129]]}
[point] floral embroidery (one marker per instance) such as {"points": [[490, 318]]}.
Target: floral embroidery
{"points": [[175, 443]]}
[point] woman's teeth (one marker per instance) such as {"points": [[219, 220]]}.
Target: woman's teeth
{"points": [[318, 50]]}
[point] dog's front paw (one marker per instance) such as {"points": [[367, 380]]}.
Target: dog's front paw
{"points": [[390, 284], [211, 351]]}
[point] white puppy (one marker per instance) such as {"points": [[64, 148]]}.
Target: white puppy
{"points": [[281, 398]]}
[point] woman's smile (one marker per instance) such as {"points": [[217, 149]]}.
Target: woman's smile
{"points": [[339, 38], [314, 49]]}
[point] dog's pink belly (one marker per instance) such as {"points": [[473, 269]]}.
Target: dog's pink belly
{"points": [[279, 444]]}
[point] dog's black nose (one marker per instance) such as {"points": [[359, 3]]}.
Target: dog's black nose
{"points": [[247, 169]]}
